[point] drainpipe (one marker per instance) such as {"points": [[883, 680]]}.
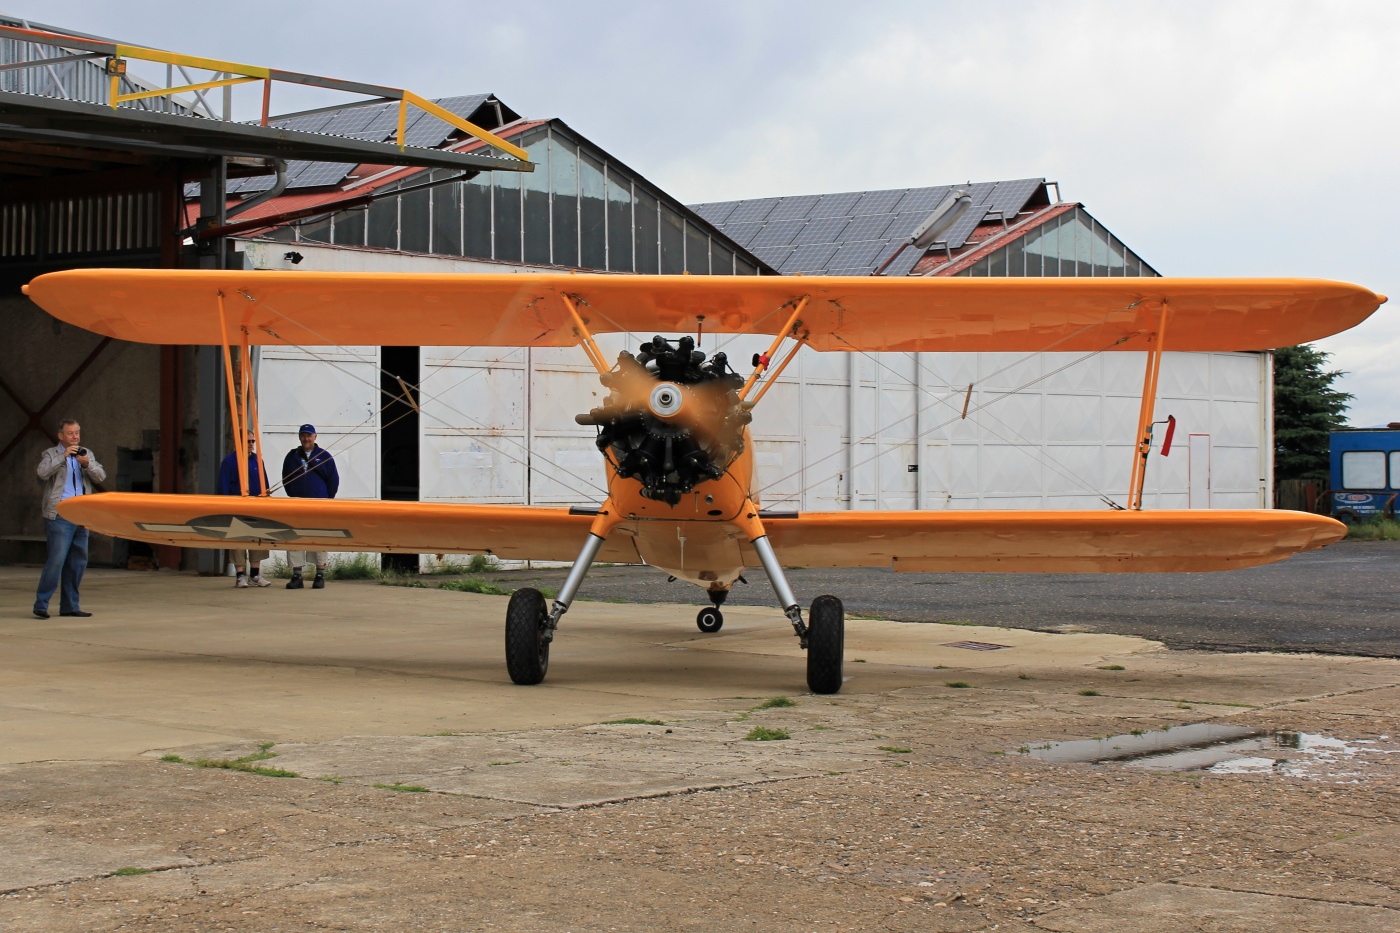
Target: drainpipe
{"points": [[275, 191]]}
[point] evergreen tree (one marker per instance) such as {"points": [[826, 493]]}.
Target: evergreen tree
{"points": [[1306, 410]]}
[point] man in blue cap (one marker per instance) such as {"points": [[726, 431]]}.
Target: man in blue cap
{"points": [[308, 472]]}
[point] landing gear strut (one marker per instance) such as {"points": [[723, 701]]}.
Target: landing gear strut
{"points": [[824, 638]]}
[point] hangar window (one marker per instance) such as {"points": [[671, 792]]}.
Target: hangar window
{"points": [[577, 208], [1073, 244]]}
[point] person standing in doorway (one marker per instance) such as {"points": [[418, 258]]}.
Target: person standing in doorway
{"points": [[246, 563], [65, 471], [309, 472]]}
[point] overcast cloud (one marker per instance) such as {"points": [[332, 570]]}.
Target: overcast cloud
{"points": [[1215, 138]]}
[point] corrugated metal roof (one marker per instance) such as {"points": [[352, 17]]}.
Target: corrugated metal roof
{"points": [[852, 232], [374, 122]]}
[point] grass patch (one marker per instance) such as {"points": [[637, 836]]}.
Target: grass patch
{"points": [[897, 749], [1112, 667], [958, 622], [360, 566], [244, 764], [776, 703], [129, 870], [1090, 693], [632, 721], [858, 660], [1024, 677], [764, 734], [958, 685], [451, 566], [404, 788], [821, 728], [276, 569], [472, 585], [1383, 529], [401, 579]]}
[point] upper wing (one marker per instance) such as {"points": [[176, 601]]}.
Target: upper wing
{"points": [[842, 313], [514, 532], [1048, 542]]}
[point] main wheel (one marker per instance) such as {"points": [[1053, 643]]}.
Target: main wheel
{"points": [[826, 643], [527, 651], [710, 619]]}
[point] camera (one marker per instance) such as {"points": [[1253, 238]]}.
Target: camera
{"points": [[82, 452]]}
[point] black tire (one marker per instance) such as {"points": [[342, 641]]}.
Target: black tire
{"points": [[710, 619], [527, 651], [826, 644], [1347, 517]]}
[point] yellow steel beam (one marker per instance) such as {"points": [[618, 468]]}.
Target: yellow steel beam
{"points": [[451, 118], [140, 95], [191, 61]]}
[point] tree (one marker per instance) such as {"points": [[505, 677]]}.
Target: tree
{"points": [[1306, 410]]}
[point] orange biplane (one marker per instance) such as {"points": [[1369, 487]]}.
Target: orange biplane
{"points": [[673, 427]]}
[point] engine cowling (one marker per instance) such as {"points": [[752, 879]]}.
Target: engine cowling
{"points": [[672, 419]]}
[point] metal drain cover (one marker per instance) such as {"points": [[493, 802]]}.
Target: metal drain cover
{"points": [[974, 645]]}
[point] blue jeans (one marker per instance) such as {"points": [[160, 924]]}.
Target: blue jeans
{"points": [[68, 555]]}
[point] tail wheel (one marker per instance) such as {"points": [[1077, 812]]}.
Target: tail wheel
{"points": [[826, 644], [710, 619], [527, 650]]}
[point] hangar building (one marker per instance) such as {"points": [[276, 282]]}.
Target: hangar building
{"points": [[839, 431]]}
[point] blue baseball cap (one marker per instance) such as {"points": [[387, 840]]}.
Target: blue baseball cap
{"points": [[307, 429]]}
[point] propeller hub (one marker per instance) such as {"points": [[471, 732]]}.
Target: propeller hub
{"points": [[666, 400]]}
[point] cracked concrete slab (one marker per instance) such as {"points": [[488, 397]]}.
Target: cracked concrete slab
{"points": [[1174, 908], [902, 803]]}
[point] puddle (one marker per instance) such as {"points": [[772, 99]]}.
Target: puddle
{"points": [[1228, 749]]}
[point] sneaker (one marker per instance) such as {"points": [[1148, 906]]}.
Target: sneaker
{"points": [[295, 582], [41, 613], [320, 582], [258, 579], [77, 614], [241, 582]]}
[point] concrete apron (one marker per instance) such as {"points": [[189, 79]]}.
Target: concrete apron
{"points": [[376, 686]]}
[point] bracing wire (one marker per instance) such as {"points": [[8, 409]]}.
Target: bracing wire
{"points": [[530, 456], [978, 408]]}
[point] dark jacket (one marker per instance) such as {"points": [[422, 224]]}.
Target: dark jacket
{"points": [[313, 477], [228, 476]]}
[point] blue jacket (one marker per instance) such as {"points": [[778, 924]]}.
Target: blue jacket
{"points": [[228, 476], [313, 477]]}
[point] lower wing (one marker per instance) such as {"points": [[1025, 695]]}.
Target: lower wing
{"points": [[515, 532], [1047, 542], [999, 542]]}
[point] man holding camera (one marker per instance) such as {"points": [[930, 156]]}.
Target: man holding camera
{"points": [[65, 471]]}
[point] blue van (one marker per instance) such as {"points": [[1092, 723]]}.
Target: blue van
{"points": [[1365, 472]]}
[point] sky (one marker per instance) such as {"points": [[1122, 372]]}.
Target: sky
{"points": [[1226, 138]]}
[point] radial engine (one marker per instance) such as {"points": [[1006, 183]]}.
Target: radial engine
{"points": [[672, 419]]}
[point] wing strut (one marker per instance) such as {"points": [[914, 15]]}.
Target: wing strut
{"points": [[242, 405], [585, 337], [1153, 368], [760, 363]]}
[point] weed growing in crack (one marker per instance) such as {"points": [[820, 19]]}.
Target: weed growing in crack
{"points": [[764, 734]]}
